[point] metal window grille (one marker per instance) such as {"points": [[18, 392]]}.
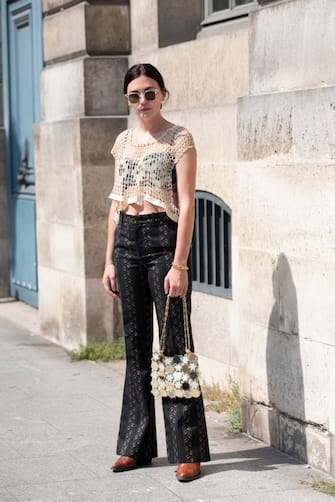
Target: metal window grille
{"points": [[211, 246]]}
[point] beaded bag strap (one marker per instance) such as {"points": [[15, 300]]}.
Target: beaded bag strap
{"points": [[185, 322]]}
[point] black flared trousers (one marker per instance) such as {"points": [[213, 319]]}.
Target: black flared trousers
{"points": [[143, 252]]}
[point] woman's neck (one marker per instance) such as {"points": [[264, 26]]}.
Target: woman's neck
{"points": [[153, 126]]}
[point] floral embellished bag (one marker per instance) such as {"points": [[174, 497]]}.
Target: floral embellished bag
{"points": [[175, 376]]}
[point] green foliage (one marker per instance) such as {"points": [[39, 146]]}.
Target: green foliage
{"points": [[227, 401], [324, 487], [235, 420], [99, 351]]}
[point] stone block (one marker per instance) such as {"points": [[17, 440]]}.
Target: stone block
{"points": [[59, 196], [263, 423], [58, 144], [215, 372], [103, 79], [332, 454], [178, 22], [285, 373], [288, 49], [108, 29], [212, 148], [103, 313], [97, 183], [86, 86], [72, 310], [86, 29], [61, 307], [306, 442], [205, 309], [62, 91], [64, 33], [49, 304], [61, 247], [296, 252], [318, 359], [252, 362], [286, 127], [316, 273], [144, 26], [95, 238], [274, 207], [256, 270], [188, 80], [97, 138], [293, 437], [318, 444]]}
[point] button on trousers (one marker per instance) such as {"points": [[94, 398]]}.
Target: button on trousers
{"points": [[143, 253]]}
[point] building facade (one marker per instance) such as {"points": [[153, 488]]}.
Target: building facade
{"points": [[254, 83]]}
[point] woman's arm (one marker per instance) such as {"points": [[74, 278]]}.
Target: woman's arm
{"points": [[109, 277], [176, 281]]}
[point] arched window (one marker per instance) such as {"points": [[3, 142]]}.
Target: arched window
{"points": [[211, 246]]}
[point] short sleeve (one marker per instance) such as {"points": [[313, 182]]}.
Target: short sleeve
{"points": [[116, 149], [184, 141]]}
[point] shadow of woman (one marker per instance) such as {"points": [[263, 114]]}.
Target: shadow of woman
{"points": [[284, 366]]}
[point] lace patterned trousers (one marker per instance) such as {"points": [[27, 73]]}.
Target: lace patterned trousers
{"points": [[143, 253]]}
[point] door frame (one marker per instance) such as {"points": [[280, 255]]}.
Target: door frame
{"points": [[37, 33]]}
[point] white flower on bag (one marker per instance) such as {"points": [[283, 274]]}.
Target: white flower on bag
{"points": [[193, 384], [177, 375], [193, 366]]}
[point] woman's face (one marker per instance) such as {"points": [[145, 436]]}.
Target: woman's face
{"points": [[145, 108]]}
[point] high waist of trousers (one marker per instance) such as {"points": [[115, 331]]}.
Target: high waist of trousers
{"points": [[139, 219]]}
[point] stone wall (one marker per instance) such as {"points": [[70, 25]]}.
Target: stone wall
{"points": [[286, 180], [86, 47], [4, 241], [258, 98]]}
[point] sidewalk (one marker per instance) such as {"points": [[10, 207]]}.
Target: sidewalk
{"points": [[58, 426]]}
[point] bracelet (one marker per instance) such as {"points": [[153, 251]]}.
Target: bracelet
{"points": [[179, 267]]}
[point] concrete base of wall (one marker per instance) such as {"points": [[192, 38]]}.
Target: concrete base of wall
{"points": [[306, 441]]}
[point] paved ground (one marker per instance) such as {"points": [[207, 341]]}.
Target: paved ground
{"points": [[58, 427]]}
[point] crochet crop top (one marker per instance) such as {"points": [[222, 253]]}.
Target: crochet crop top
{"points": [[147, 172]]}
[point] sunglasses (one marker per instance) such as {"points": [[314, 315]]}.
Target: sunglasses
{"points": [[149, 95]]}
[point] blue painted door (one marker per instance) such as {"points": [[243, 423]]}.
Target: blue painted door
{"points": [[22, 51]]}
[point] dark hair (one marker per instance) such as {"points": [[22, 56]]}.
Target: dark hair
{"points": [[143, 69]]}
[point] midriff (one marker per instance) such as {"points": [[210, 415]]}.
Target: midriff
{"points": [[144, 207]]}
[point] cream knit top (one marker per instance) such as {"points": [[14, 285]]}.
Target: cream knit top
{"points": [[147, 172]]}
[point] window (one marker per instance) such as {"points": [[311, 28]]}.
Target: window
{"points": [[211, 246], [220, 10]]}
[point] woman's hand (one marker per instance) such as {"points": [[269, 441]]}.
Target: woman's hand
{"points": [[109, 281], [176, 282]]}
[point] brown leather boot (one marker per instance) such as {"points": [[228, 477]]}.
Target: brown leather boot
{"points": [[188, 471], [124, 463]]}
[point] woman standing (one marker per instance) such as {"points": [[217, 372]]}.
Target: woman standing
{"points": [[150, 230]]}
